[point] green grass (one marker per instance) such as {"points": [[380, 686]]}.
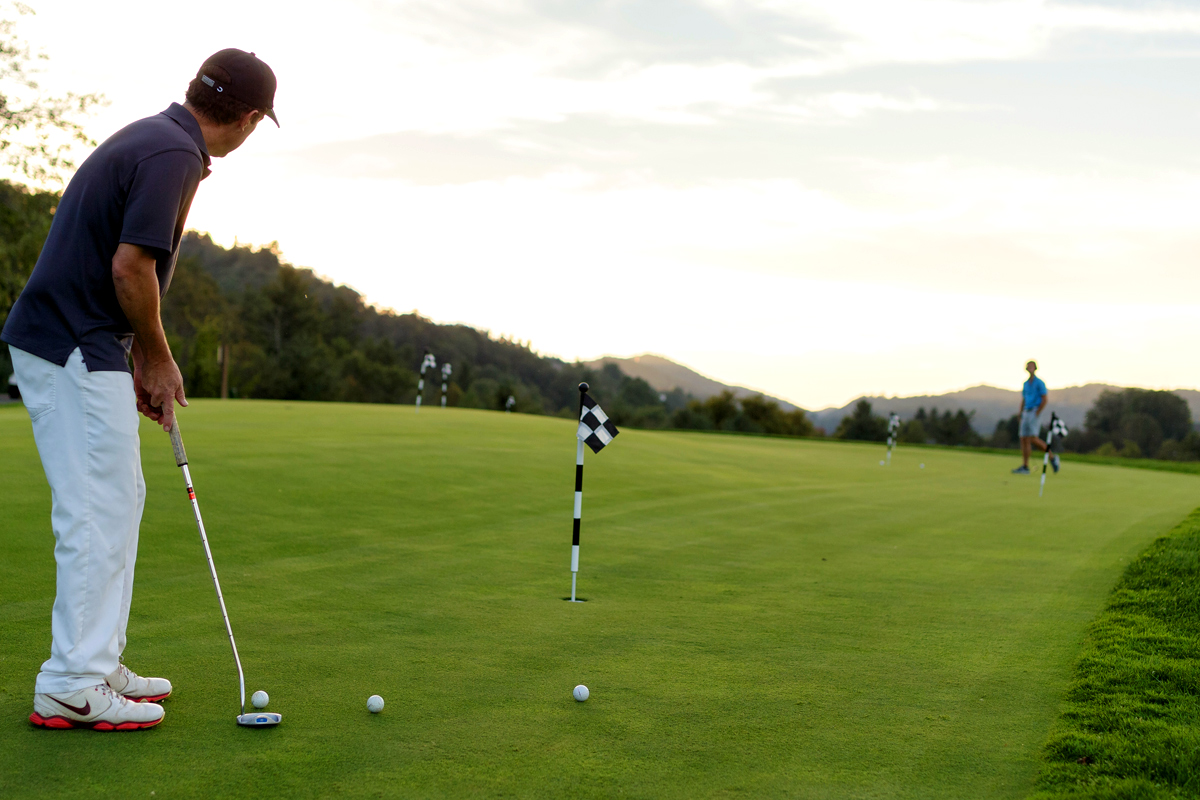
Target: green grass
{"points": [[1131, 724], [766, 617]]}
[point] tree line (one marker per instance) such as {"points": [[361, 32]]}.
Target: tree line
{"points": [[241, 322], [1133, 423]]}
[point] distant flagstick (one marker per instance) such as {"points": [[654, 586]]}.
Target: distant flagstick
{"points": [[445, 377], [893, 430], [1057, 428], [595, 430], [429, 361]]}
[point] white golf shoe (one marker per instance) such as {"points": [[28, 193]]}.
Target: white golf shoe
{"points": [[138, 689], [97, 707]]}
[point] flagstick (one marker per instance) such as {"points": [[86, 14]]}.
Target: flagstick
{"points": [[1046, 455], [421, 382], [583, 387], [445, 377]]}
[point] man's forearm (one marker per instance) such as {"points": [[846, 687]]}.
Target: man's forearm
{"points": [[137, 289]]}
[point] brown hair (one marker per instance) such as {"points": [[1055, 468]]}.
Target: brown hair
{"points": [[216, 106]]}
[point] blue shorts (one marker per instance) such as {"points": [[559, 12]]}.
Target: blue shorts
{"points": [[1029, 423]]}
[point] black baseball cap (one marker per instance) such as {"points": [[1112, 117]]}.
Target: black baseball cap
{"points": [[250, 79]]}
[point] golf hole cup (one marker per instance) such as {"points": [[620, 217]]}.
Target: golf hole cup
{"points": [[580, 693]]}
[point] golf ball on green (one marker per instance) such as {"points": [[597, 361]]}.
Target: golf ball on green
{"points": [[259, 699], [580, 693], [374, 704], [881, 463]]}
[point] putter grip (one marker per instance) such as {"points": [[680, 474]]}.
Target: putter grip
{"points": [[177, 445]]}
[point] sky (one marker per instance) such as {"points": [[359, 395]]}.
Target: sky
{"points": [[819, 199]]}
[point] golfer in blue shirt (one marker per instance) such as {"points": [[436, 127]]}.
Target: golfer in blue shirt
{"points": [[1033, 400]]}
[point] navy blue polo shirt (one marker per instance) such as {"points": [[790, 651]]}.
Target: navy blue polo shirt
{"points": [[135, 188]]}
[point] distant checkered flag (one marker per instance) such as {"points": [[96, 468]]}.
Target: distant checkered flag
{"points": [[595, 428], [429, 362], [892, 431], [1058, 430]]}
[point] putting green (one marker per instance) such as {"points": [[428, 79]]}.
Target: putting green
{"points": [[766, 617]]}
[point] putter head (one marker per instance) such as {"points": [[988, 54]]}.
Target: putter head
{"points": [[260, 719]]}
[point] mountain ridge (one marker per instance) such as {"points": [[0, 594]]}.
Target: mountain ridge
{"points": [[665, 375], [990, 404]]}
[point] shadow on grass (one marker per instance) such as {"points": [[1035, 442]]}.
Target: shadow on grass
{"points": [[1130, 726]]}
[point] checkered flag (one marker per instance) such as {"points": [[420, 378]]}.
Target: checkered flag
{"points": [[429, 361], [893, 431], [595, 428], [1058, 430]]}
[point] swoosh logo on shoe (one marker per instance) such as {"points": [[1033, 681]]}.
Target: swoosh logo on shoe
{"points": [[81, 711]]}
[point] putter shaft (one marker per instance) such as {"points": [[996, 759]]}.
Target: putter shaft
{"points": [[182, 462]]}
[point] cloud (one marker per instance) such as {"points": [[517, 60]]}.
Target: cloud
{"points": [[904, 168]]}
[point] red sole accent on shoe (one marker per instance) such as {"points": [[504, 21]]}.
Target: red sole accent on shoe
{"points": [[158, 698], [58, 723], [62, 724]]}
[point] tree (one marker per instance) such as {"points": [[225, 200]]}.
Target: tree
{"points": [[1147, 422], [913, 432], [721, 408], [770, 418], [1007, 433], [37, 132], [25, 217], [862, 424]]}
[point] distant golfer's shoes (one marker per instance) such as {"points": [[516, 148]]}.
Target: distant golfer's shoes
{"points": [[97, 707], [1054, 462], [1021, 471], [138, 689]]}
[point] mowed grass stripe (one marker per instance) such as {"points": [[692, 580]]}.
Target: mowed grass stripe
{"points": [[766, 617]]}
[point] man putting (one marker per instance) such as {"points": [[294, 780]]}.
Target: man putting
{"points": [[1033, 400], [91, 304]]}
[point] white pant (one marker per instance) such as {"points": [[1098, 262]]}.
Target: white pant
{"points": [[86, 428]]}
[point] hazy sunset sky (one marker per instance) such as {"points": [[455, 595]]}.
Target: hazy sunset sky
{"points": [[816, 199]]}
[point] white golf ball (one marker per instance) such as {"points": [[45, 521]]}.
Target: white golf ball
{"points": [[374, 704], [881, 462], [922, 466], [259, 699], [581, 693]]}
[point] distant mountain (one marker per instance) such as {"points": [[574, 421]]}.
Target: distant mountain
{"points": [[664, 375], [991, 404]]}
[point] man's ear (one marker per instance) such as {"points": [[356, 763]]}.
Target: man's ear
{"points": [[249, 118]]}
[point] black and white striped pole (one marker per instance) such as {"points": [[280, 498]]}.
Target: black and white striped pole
{"points": [[595, 430], [445, 378], [893, 432], [1057, 428], [583, 387], [429, 361]]}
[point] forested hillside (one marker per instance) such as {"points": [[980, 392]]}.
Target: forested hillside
{"points": [[25, 218], [243, 323], [289, 334]]}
